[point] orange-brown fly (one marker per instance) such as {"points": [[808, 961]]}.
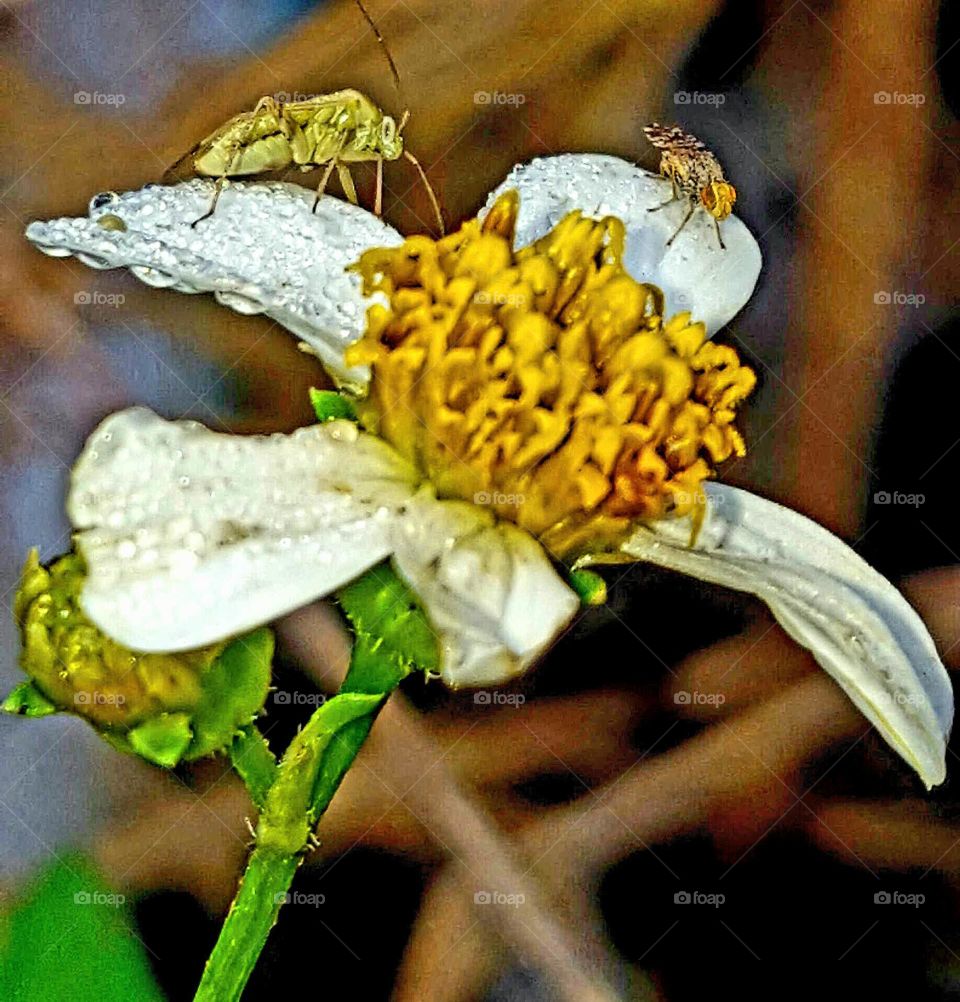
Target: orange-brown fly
{"points": [[695, 174]]}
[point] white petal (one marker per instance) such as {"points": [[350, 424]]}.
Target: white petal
{"points": [[856, 624], [191, 536], [695, 273], [262, 251], [486, 586]]}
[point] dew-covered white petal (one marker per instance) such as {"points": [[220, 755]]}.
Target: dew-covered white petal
{"points": [[262, 251], [855, 623], [487, 587], [191, 536], [695, 273]]}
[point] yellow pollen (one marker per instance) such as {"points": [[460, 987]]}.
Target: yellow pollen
{"points": [[545, 382]]}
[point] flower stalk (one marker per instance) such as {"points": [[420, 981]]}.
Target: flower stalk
{"points": [[392, 637], [305, 781]]}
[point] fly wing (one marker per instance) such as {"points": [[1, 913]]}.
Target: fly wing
{"points": [[673, 139]]}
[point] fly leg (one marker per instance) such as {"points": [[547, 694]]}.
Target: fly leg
{"points": [[378, 197], [669, 201], [686, 219], [716, 226]]}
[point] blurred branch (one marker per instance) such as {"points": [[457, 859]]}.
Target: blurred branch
{"points": [[862, 188]]}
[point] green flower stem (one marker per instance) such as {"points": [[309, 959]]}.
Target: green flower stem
{"points": [[304, 783], [263, 889]]}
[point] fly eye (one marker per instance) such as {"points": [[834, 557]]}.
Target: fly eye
{"points": [[388, 130]]}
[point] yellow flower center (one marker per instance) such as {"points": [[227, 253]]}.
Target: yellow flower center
{"points": [[545, 382]]}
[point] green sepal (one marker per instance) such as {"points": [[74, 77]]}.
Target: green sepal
{"points": [[234, 689], [162, 740], [329, 405], [288, 815], [591, 588], [387, 618], [27, 700]]}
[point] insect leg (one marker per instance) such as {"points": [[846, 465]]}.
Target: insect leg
{"points": [[378, 198], [716, 225], [218, 187], [686, 219], [343, 171], [429, 187], [324, 181], [662, 205], [328, 170], [669, 201], [264, 104]]}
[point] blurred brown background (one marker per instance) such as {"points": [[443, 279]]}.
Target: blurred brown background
{"points": [[838, 124]]}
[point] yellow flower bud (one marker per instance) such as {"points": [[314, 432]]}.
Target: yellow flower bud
{"points": [[163, 706]]}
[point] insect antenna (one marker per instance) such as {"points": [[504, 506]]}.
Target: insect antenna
{"points": [[383, 44], [404, 118], [426, 183]]}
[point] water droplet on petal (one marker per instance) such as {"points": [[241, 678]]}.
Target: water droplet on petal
{"points": [[152, 277], [103, 198], [242, 304], [183, 561], [93, 261]]}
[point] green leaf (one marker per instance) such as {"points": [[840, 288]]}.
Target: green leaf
{"points": [[235, 688], [389, 622], [28, 701], [69, 937], [331, 406]]}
